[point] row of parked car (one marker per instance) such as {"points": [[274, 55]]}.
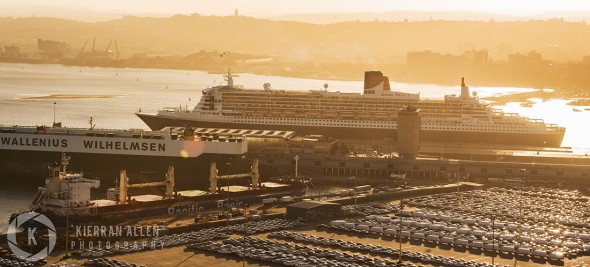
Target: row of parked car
{"points": [[369, 208], [15, 262], [291, 254], [104, 262], [256, 227], [208, 234], [423, 258], [443, 240], [443, 220], [546, 227], [154, 243], [532, 206]]}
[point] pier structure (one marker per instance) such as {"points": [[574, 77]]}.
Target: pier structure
{"points": [[433, 168]]}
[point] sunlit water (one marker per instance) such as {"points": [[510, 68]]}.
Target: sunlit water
{"points": [[557, 111], [152, 89]]}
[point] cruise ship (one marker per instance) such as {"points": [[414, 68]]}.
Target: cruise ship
{"points": [[370, 115], [27, 150]]}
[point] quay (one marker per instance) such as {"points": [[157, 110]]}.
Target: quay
{"points": [[324, 156]]}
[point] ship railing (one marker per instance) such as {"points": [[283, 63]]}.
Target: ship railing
{"points": [[71, 130], [537, 121], [554, 128], [83, 181]]}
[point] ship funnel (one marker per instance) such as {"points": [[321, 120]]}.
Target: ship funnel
{"points": [[373, 79], [464, 89]]}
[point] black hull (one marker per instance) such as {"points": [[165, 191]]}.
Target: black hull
{"points": [[544, 140], [120, 213], [31, 167]]}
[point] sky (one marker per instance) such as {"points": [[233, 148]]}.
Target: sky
{"points": [[282, 7]]}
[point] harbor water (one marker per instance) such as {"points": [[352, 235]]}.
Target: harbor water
{"points": [[29, 94]]}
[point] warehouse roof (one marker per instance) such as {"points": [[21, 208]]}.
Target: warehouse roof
{"points": [[310, 204]]}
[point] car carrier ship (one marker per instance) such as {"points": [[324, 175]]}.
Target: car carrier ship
{"points": [[26, 151], [370, 115]]}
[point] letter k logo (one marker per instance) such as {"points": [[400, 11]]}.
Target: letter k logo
{"points": [[31, 236]]}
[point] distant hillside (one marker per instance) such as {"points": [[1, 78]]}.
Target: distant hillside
{"points": [[350, 42], [327, 18]]}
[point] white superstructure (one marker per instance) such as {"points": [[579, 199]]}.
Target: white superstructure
{"points": [[372, 114], [64, 191]]}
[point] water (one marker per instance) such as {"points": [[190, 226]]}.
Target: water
{"points": [[557, 111], [152, 89], [13, 198]]}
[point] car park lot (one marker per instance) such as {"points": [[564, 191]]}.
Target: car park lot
{"points": [[182, 256], [436, 231]]}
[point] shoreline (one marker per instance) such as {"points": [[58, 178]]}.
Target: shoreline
{"points": [[74, 96], [545, 95], [520, 97], [279, 71], [575, 98]]}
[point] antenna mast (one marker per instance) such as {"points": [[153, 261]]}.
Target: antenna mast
{"points": [[91, 124], [54, 103]]}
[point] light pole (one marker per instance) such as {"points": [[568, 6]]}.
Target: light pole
{"points": [[244, 236], [296, 165], [522, 172], [401, 208], [354, 189], [493, 238], [458, 181], [228, 204]]}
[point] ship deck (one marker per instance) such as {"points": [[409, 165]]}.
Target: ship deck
{"points": [[185, 193], [192, 193]]}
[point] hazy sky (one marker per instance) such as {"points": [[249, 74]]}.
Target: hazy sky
{"points": [[280, 7]]}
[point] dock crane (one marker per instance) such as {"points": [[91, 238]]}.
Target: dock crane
{"points": [[254, 174], [123, 196]]}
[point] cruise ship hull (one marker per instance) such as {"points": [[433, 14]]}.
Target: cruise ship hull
{"points": [[156, 122]]}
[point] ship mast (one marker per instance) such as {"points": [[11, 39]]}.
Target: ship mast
{"points": [[65, 161], [229, 78], [91, 124], [54, 103]]}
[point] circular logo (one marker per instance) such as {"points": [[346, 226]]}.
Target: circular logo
{"points": [[32, 220]]}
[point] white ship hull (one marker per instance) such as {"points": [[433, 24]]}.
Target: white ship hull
{"points": [[116, 146], [26, 153]]}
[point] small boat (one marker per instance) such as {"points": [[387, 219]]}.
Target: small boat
{"points": [[577, 110], [526, 104]]}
